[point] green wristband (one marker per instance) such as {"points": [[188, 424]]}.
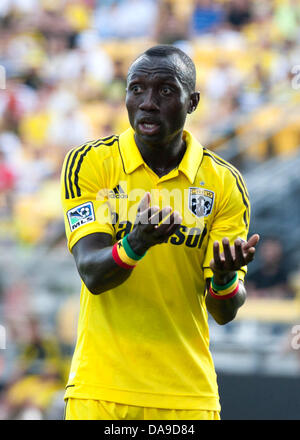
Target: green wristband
{"points": [[219, 287], [129, 251]]}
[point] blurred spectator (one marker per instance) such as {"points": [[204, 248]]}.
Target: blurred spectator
{"points": [[126, 18], [30, 397], [223, 80], [35, 170], [206, 17], [238, 13], [7, 179], [287, 18], [271, 279], [170, 28], [254, 89], [37, 348], [116, 89], [7, 184], [39, 375]]}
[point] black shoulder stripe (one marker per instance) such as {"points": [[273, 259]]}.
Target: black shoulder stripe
{"points": [[65, 177], [68, 170], [82, 156], [107, 138], [69, 167], [245, 217], [234, 173], [77, 151], [237, 179], [69, 187], [121, 157]]}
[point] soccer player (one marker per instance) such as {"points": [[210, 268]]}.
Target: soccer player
{"points": [[152, 263]]}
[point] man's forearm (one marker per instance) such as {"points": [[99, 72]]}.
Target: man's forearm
{"points": [[99, 272], [225, 310], [228, 293]]}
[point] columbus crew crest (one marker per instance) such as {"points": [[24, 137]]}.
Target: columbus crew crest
{"points": [[201, 201]]}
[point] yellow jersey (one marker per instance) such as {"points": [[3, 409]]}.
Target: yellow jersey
{"points": [[146, 342]]}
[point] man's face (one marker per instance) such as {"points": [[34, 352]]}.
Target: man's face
{"points": [[157, 100]]}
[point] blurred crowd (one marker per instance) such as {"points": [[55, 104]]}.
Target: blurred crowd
{"points": [[63, 81]]}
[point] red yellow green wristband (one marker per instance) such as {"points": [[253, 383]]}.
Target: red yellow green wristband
{"points": [[229, 295], [224, 291], [118, 260], [124, 256]]}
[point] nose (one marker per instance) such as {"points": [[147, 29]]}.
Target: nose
{"points": [[149, 101]]}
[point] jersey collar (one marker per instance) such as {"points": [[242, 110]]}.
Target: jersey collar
{"points": [[192, 158], [132, 158]]}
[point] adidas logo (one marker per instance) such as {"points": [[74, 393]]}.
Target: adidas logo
{"points": [[117, 193]]}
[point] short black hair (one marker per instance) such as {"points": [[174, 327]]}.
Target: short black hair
{"points": [[187, 76]]}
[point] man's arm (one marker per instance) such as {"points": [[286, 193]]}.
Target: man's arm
{"points": [[93, 253], [95, 264], [224, 267]]}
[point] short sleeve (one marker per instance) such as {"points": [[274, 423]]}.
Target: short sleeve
{"points": [[231, 220], [83, 194]]}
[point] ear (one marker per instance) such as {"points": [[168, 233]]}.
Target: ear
{"points": [[194, 101]]}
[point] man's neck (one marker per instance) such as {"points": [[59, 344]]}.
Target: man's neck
{"points": [[162, 158]]}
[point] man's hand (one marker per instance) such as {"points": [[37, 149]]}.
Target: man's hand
{"points": [[232, 258], [152, 225]]}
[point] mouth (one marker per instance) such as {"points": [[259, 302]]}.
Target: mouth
{"points": [[148, 127]]}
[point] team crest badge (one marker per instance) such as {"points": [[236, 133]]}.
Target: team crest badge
{"points": [[81, 215], [201, 201]]}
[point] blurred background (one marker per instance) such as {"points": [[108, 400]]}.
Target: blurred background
{"points": [[65, 65]]}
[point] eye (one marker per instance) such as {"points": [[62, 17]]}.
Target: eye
{"points": [[166, 90], [136, 89]]}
